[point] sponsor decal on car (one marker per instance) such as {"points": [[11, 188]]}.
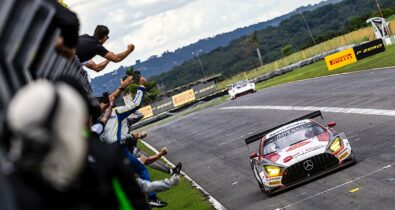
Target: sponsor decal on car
{"points": [[275, 183], [343, 156], [288, 127], [340, 59], [314, 148], [295, 146]]}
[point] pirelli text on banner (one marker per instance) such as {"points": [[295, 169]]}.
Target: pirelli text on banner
{"points": [[340, 59], [183, 98], [369, 49], [147, 111]]}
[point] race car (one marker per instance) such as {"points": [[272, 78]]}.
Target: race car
{"points": [[297, 152], [240, 88]]}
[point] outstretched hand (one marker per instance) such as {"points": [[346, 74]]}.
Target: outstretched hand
{"points": [[130, 47], [163, 151], [125, 83], [142, 81]]}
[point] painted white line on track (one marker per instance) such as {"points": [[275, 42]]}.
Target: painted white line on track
{"points": [[378, 112], [356, 140], [338, 186]]}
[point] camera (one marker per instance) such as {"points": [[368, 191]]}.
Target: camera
{"points": [[136, 74]]}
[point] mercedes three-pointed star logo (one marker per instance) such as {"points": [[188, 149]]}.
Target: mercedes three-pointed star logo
{"points": [[308, 165]]}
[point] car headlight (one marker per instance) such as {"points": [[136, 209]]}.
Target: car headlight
{"points": [[336, 145], [272, 170]]}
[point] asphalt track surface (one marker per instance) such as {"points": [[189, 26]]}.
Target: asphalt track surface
{"points": [[210, 143]]}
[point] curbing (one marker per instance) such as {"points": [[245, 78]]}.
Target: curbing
{"points": [[216, 204]]}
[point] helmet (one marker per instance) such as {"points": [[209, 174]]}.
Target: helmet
{"points": [[46, 122]]}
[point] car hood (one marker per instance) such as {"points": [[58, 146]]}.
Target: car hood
{"points": [[300, 151]]}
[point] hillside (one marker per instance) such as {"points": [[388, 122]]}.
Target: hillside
{"points": [[168, 60], [276, 42], [159, 64]]}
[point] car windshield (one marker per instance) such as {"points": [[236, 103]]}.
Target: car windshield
{"points": [[241, 83], [292, 136]]}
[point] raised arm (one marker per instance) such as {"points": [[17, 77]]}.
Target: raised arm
{"points": [[124, 84], [97, 67], [107, 113], [120, 56]]}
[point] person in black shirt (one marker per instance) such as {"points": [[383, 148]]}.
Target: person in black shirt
{"points": [[90, 46], [69, 25]]}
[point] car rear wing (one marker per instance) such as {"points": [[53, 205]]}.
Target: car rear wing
{"points": [[259, 136]]}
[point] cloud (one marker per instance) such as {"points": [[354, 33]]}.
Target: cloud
{"points": [[155, 26]]}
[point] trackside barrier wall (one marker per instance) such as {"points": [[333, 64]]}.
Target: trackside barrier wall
{"points": [[168, 103]]}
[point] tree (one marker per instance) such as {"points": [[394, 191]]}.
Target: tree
{"points": [[151, 91], [287, 50], [249, 46], [289, 36]]}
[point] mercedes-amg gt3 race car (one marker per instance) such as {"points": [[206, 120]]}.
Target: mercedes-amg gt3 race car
{"points": [[298, 151], [241, 87]]}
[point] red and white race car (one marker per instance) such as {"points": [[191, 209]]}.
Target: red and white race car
{"points": [[298, 151]]}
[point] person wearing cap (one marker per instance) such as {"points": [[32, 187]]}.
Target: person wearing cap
{"points": [[90, 46]]}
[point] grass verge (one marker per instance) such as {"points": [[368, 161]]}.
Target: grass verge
{"points": [[182, 196], [319, 69]]}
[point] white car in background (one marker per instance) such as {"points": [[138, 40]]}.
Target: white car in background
{"points": [[240, 88]]}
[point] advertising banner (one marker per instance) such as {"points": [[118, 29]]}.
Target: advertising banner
{"points": [[146, 111], [340, 59], [162, 106], [204, 89], [369, 49], [183, 98]]}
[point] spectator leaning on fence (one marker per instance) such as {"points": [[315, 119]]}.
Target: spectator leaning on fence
{"points": [[117, 132], [90, 46]]}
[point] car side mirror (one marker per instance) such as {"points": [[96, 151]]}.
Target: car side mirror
{"points": [[331, 124], [253, 155]]}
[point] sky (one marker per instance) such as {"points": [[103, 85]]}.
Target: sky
{"points": [[155, 26]]}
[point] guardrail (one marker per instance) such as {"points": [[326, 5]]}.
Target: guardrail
{"points": [[27, 47]]}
